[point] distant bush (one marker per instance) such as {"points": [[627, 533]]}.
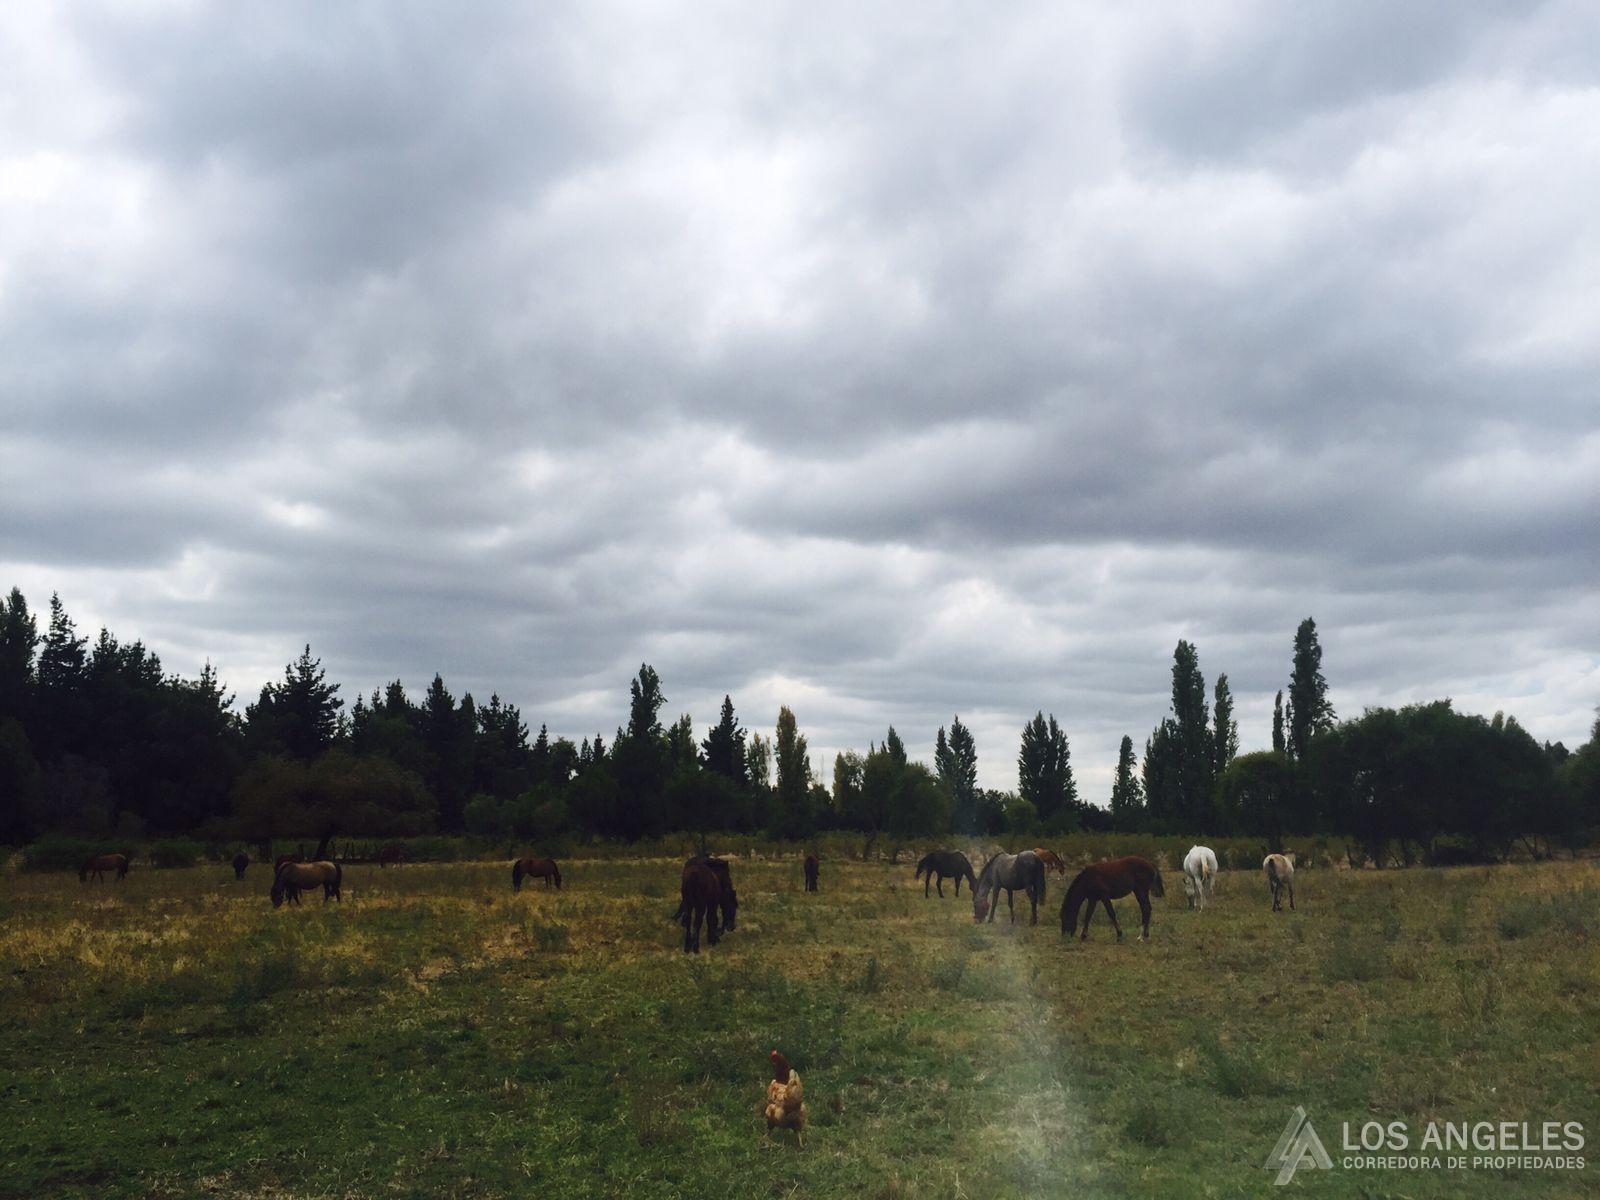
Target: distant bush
{"points": [[57, 852], [175, 852]]}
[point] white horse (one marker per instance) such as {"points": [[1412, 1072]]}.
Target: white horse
{"points": [[1199, 875], [1279, 869]]}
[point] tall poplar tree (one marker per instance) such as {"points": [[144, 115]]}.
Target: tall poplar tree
{"points": [[1309, 711]]}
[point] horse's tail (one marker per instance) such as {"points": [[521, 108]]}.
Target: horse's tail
{"points": [[556, 871], [338, 878], [516, 876], [1039, 876], [1077, 893]]}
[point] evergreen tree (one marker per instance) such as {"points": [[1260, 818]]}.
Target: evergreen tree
{"points": [[1225, 732], [19, 640], [297, 717], [1278, 743], [794, 777], [1309, 710], [447, 731], [894, 747], [956, 761], [724, 748], [1127, 797], [1044, 772]]}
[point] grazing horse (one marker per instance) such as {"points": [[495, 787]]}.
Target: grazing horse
{"points": [[1009, 871], [812, 865], [277, 863], [935, 868], [294, 876], [1199, 875], [100, 864], [1051, 860], [729, 902], [1103, 882], [535, 868], [392, 853], [1279, 870], [702, 894], [240, 862]]}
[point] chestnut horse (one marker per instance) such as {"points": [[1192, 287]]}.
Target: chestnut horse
{"points": [[1103, 882], [100, 864], [811, 872], [1050, 859], [702, 894], [535, 868], [240, 862], [392, 853], [293, 876]]}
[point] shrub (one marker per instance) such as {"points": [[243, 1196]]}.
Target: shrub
{"points": [[175, 852], [57, 852]]}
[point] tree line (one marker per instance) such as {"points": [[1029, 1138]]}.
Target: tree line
{"points": [[98, 740]]}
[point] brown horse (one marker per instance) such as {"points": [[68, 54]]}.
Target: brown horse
{"points": [[240, 862], [702, 894], [535, 868], [1050, 859], [292, 877], [100, 864], [1103, 882], [278, 862], [729, 903], [392, 853], [811, 872]]}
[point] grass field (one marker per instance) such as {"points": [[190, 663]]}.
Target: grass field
{"points": [[436, 1035]]}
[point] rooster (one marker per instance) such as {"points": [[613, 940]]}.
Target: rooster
{"points": [[785, 1100]]}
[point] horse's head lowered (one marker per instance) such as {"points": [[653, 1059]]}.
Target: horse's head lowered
{"points": [[1157, 888], [980, 907]]}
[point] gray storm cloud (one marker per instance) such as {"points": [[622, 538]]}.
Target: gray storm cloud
{"points": [[887, 365]]}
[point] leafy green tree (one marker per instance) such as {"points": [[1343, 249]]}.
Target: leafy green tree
{"points": [[1196, 758], [1309, 712], [793, 788], [1278, 742], [1127, 797], [1162, 788], [758, 762], [1225, 732], [1044, 772], [644, 710], [1254, 795]]}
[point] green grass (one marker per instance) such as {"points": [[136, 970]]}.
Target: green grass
{"points": [[436, 1035]]}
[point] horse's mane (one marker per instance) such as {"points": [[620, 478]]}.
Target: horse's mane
{"points": [[1077, 892]]}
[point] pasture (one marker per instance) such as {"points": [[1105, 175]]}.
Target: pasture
{"points": [[434, 1034]]}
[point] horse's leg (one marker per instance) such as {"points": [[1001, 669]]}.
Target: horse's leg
{"points": [[1011, 903], [1291, 895], [940, 886], [1033, 899], [1144, 911], [1112, 913]]}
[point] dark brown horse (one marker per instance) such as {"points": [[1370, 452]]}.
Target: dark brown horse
{"points": [[535, 868], [729, 903], [701, 891], [100, 864], [392, 853], [240, 862], [812, 866], [1103, 882], [938, 866], [293, 877]]}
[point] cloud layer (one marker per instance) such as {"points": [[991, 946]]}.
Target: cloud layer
{"points": [[887, 365]]}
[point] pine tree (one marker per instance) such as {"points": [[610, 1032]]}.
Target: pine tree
{"points": [[724, 747], [894, 747], [299, 716], [1044, 770], [19, 640], [1225, 731], [956, 762], [1309, 710]]}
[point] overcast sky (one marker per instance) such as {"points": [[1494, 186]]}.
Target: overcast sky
{"points": [[887, 362]]}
